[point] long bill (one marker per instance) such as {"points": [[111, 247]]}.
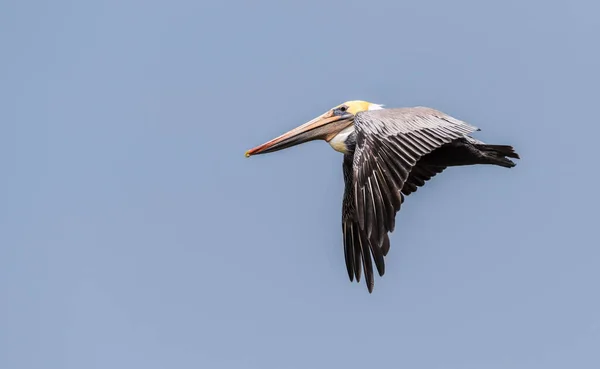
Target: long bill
{"points": [[323, 127]]}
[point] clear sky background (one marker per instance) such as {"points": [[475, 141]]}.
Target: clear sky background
{"points": [[134, 233]]}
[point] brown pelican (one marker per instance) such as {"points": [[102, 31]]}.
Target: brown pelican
{"points": [[388, 154]]}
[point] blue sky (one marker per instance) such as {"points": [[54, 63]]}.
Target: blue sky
{"points": [[135, 233]]}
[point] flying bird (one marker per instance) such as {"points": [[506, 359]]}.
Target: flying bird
{"points": [[388, 154]]}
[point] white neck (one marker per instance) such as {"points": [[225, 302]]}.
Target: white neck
{"points": [[338, 141]]}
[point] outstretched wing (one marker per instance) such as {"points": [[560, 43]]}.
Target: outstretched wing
{"points": [[357, 246], [389, 143]]}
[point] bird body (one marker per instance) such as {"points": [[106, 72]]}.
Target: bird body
{"points": [[388, 154]]}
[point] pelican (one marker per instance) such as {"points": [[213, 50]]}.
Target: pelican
{"points": [[388, 154]]}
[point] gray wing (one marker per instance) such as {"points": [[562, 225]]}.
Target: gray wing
{"points": [[357, 246], [389, 143]]}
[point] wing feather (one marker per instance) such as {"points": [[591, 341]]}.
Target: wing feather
{"points": [[348, 233], [383, 168], [359, 252], [389, 144], [420, 174]]}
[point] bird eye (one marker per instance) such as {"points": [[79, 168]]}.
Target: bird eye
{"points": [[340, 110]]}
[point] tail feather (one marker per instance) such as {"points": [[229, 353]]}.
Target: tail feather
{"points": [[499, 154], [505, 150]]}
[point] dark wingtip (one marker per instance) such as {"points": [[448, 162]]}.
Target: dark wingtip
{"points": [[385, 248], [369, 277], [351, 275], [376, 246], [379, 261]]}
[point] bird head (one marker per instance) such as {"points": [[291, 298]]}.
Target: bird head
{"points": [[324, 127]]}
